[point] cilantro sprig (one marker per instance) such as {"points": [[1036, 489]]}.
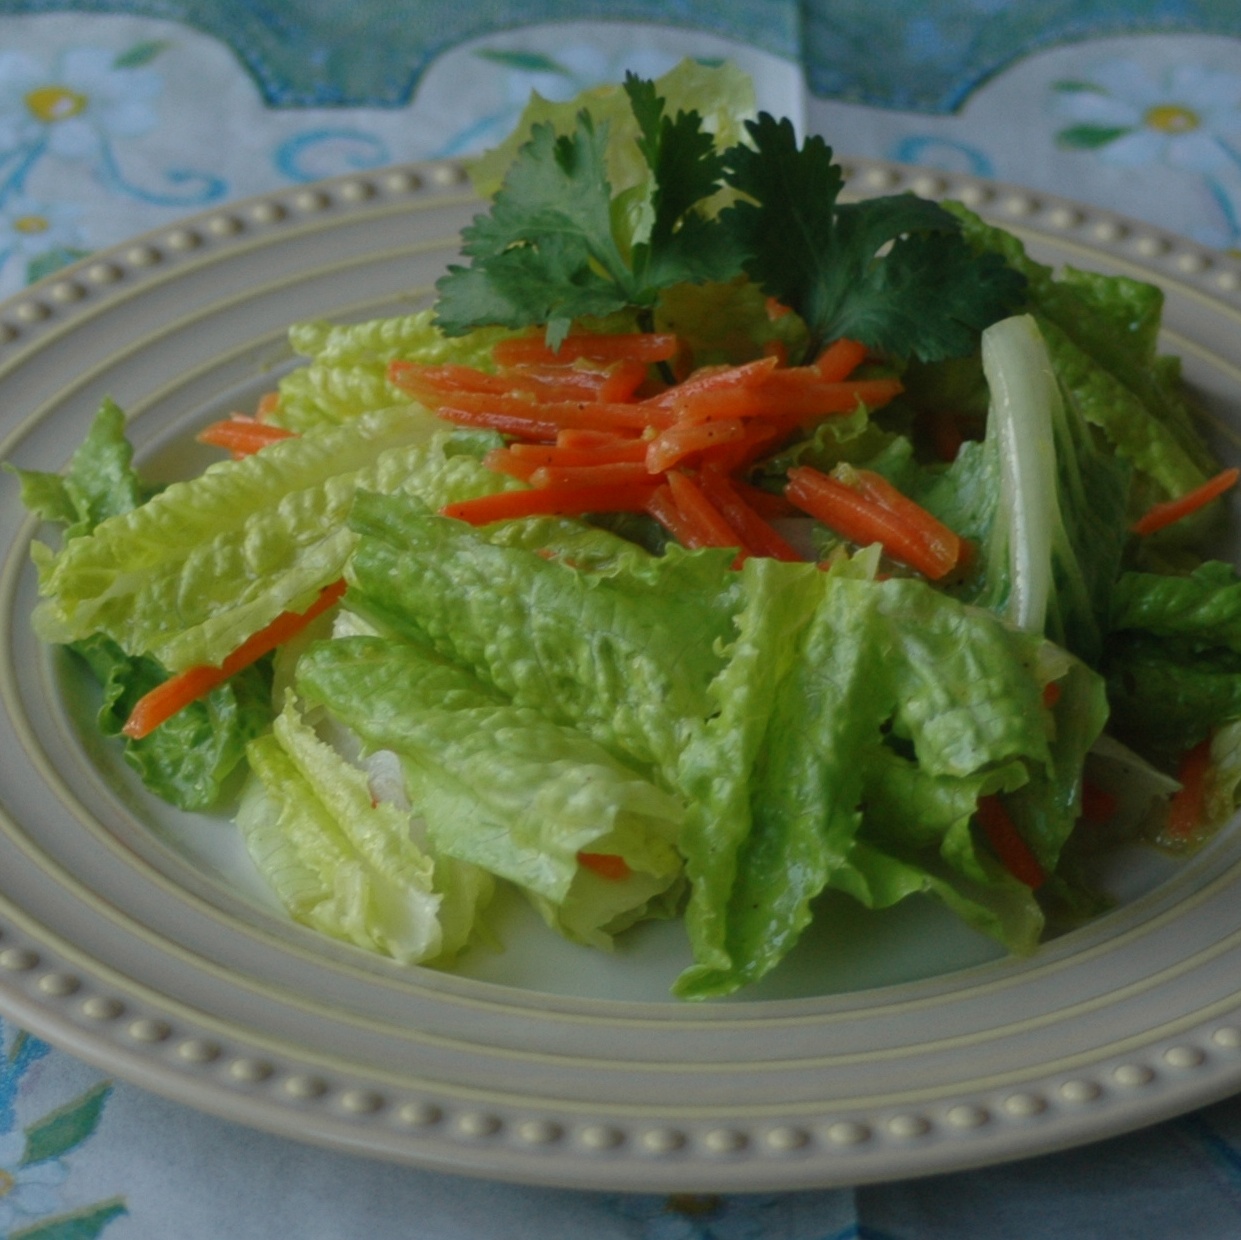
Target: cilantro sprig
{"points": [[548, 253], [893, 272]]}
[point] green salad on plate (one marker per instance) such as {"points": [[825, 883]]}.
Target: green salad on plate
{"points": [[716, 540]]}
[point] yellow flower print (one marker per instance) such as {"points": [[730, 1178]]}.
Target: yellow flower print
{"points": [[77, 104], [1188, 118]]}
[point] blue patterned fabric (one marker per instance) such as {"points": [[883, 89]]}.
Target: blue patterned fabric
{"points": [[120, 116]]}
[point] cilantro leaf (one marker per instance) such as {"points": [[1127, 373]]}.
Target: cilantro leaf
{"points": [[547, 253], [683, 246], [927, 296]]}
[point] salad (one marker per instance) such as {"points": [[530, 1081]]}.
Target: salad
{"points": [[713, 542]]}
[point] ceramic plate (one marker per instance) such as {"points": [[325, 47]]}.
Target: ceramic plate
{"points": [[140, 940]]}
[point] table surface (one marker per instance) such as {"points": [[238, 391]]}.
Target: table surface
{"points": [[118, 116]]}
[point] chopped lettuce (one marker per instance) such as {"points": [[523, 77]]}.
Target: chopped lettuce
{"points": [[1059, 529], [624, 654], [1101, 334], [621, 727], [345, 864], [1173, 658], [345, 371], [765, 699], [188, 576], [191, 761], [502, 786], [875, 673], [100, 481]]}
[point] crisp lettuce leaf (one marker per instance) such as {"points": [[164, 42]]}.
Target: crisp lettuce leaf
{"points": [[1101, 335], [190, 761], [341, 862], [1173, 656], [192, 573], [501, 786], [765, 698], [877, 664], [345, 371], [1203, 607], [624, 654], [100, 481]]}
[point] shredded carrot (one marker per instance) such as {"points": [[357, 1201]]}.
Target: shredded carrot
{"points": [[179, 690], [685, 439], [605, 347], [242, 435], [604, 450], [1051, 694], [607, 865], [766, 503], [581, 438], [1098, 805], [521, 425], [606, 473], [1187, 808], [762, 389], [873, 511], [760, 439], [584, 414], [1008, 844], [840, 359], [1158, 516], [566, 501], [269, 402], [663, 507], [704, 524], [506, 461], [522, 460], [756, 532]]}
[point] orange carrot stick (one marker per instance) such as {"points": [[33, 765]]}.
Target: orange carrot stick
{"points": [[179, 690], [607, 865], [869, 513], [1158, 516], [840, 359], [703, 524], [607, 473], [588, 414], [1014, 854], [567, 501], [603, 451], [757, 533], [269, 402], [1187, 808], [684, 439], [242, 435]]}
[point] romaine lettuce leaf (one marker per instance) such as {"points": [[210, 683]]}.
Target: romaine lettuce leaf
{"points": [[876, 665], [191, 759], [192, 573], [624, 654], [501, 786], [1101, 334], [1174, 656], [344, 864], [100, 481], [764, 698], [345, 372]]}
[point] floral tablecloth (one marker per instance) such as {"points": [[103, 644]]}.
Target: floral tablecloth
{"points": [[119, 115]]}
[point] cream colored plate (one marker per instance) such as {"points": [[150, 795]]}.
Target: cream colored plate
{"points": [[889, 1046]]}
